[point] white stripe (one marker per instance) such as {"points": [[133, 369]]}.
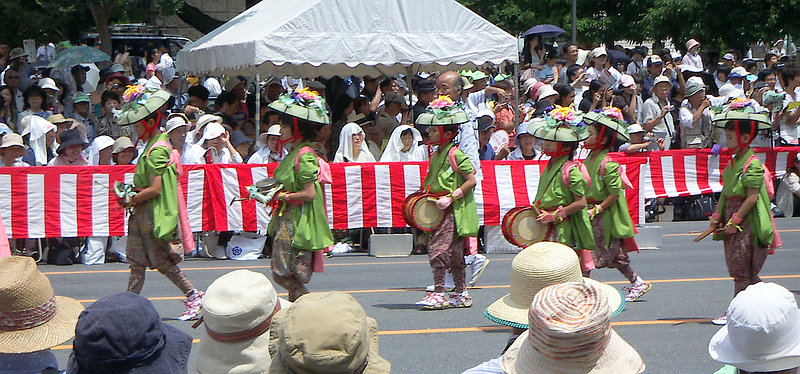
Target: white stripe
{"points": [[505, 192], [646, 188], [5, 202], [69, 211], [690, 168], [715, 174], [194, 198], [36, 206], [262, 216], [383, 196], [532, 176], [641, 193], [99, 205], [129, 180], [780, 164], [668, 175], [477, 194], [230, 186], [355, 203], [411, 176], [327, 191]]}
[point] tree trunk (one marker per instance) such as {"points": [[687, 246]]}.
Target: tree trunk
{"points": [[101, 12], [196, 18]]}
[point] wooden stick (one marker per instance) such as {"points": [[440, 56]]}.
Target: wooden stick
{"points": [[710, 230]]}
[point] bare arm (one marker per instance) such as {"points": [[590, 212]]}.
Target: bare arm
{"points": [[149, 192], [576, 206], [308, 193], [376, 101]]}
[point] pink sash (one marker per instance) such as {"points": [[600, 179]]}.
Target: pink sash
{"points": [[183, 213], [5, 249]]}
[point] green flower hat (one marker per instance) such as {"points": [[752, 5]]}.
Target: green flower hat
{"points": [[742, 110], [443, 112], [139, 102], [610, 117], [304, 104], [561, 124]]}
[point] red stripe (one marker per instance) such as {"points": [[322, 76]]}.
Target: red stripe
{"points": [[702, 173], [19, 205], [214, 209], [83, 202], [657, 174], [491, 202], [52, 204], [679, 174], [249, 217], [339, 196], [519, 183], [368, 199], [397, 181], [116, 214]]}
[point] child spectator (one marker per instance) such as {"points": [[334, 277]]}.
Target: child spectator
{"points": [[107, 125], [271, 149], [34, 98]]}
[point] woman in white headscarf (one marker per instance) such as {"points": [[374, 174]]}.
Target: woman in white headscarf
{"points": [[352, 147], [99, 152], [41, 140], [404, 145]]}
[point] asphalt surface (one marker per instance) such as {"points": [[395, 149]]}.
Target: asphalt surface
{"points": [[669, 326]]}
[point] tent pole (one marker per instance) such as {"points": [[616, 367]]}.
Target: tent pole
{"points": [[257, 120], [516, 95], [574, 21]]}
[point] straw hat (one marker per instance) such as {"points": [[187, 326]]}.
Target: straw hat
{"points": [[11, 140], [611, 118], [442, 111], [763, 330], [536, 267], [122, 143], [32, 318], [571, 333], [237, 312], [142, 103], [304, 104], [325, 333]]}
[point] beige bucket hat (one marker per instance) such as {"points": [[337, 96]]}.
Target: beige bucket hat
{"points": [[536, 267]]}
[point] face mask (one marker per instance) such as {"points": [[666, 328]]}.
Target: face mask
{"points": [[116, 112]]}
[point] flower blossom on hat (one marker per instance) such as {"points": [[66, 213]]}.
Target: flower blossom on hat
{"points": [[613, 112], [306, 98], [739, 103], [441, 102], [562, 113]]}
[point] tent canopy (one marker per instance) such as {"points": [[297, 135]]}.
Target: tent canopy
{"points": [[349, 37]]}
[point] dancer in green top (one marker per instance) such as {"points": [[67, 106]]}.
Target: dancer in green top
{"points": [[299, 224], [451, 174], [743, 219], [561, 200], [608, 210], [155, 228]]}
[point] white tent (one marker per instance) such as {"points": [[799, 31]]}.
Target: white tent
{"points": [[349, 37]]}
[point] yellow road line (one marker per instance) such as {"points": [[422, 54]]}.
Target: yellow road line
{"points": [[492, 328]]}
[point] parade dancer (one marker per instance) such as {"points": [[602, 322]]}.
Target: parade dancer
{"points": [[560, 197], [299, 224], [450, 174], [158, 228], [608, 210], [743, 219]]}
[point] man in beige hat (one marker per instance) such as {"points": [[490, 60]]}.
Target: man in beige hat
{"points": [[325, 333], [237, 312], [570, 332], [11, 150], [32, 319]]}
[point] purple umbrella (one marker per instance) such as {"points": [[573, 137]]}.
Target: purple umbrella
{"points": [[545, 31]]}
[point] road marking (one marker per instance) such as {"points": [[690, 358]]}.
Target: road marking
{"points": [[790, 276], [700, 232], [493, 328], [241, 267]]}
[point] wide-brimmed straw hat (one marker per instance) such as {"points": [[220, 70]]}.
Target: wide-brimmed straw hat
{"points": [[536, 267], [610, 117], [570, 332], [123, 333], [443, 111], [32, 317], [237, 312], [140, 103], [561, 124], [325, 333], [743, 110], [763, 330], [304, 104]]}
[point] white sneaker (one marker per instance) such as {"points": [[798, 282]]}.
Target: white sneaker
{"points": [[193, 304], [636, 291], [721, 320], [433, 300], [478, 265], [460, 300]]}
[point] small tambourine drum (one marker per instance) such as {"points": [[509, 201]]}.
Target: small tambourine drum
{"points": [[420, 211], [520, 227], [124, 191], [264, 190]]}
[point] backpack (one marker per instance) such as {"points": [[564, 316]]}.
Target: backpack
{"points": [[626, 183], [767, 177], [324, 175], [567, 167]]}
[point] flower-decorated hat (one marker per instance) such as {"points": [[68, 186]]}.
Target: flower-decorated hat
{"points": [[304, 104], [561, 124], [443, 111], [742, 110], [139, 102], [610, 117]]}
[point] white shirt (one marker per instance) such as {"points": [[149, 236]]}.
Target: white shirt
{"points": [[652, 109], [693, 60], [213, 87], [262, 156], [790, 133]]}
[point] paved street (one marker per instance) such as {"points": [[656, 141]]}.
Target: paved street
{"points": [[669, 326]]}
